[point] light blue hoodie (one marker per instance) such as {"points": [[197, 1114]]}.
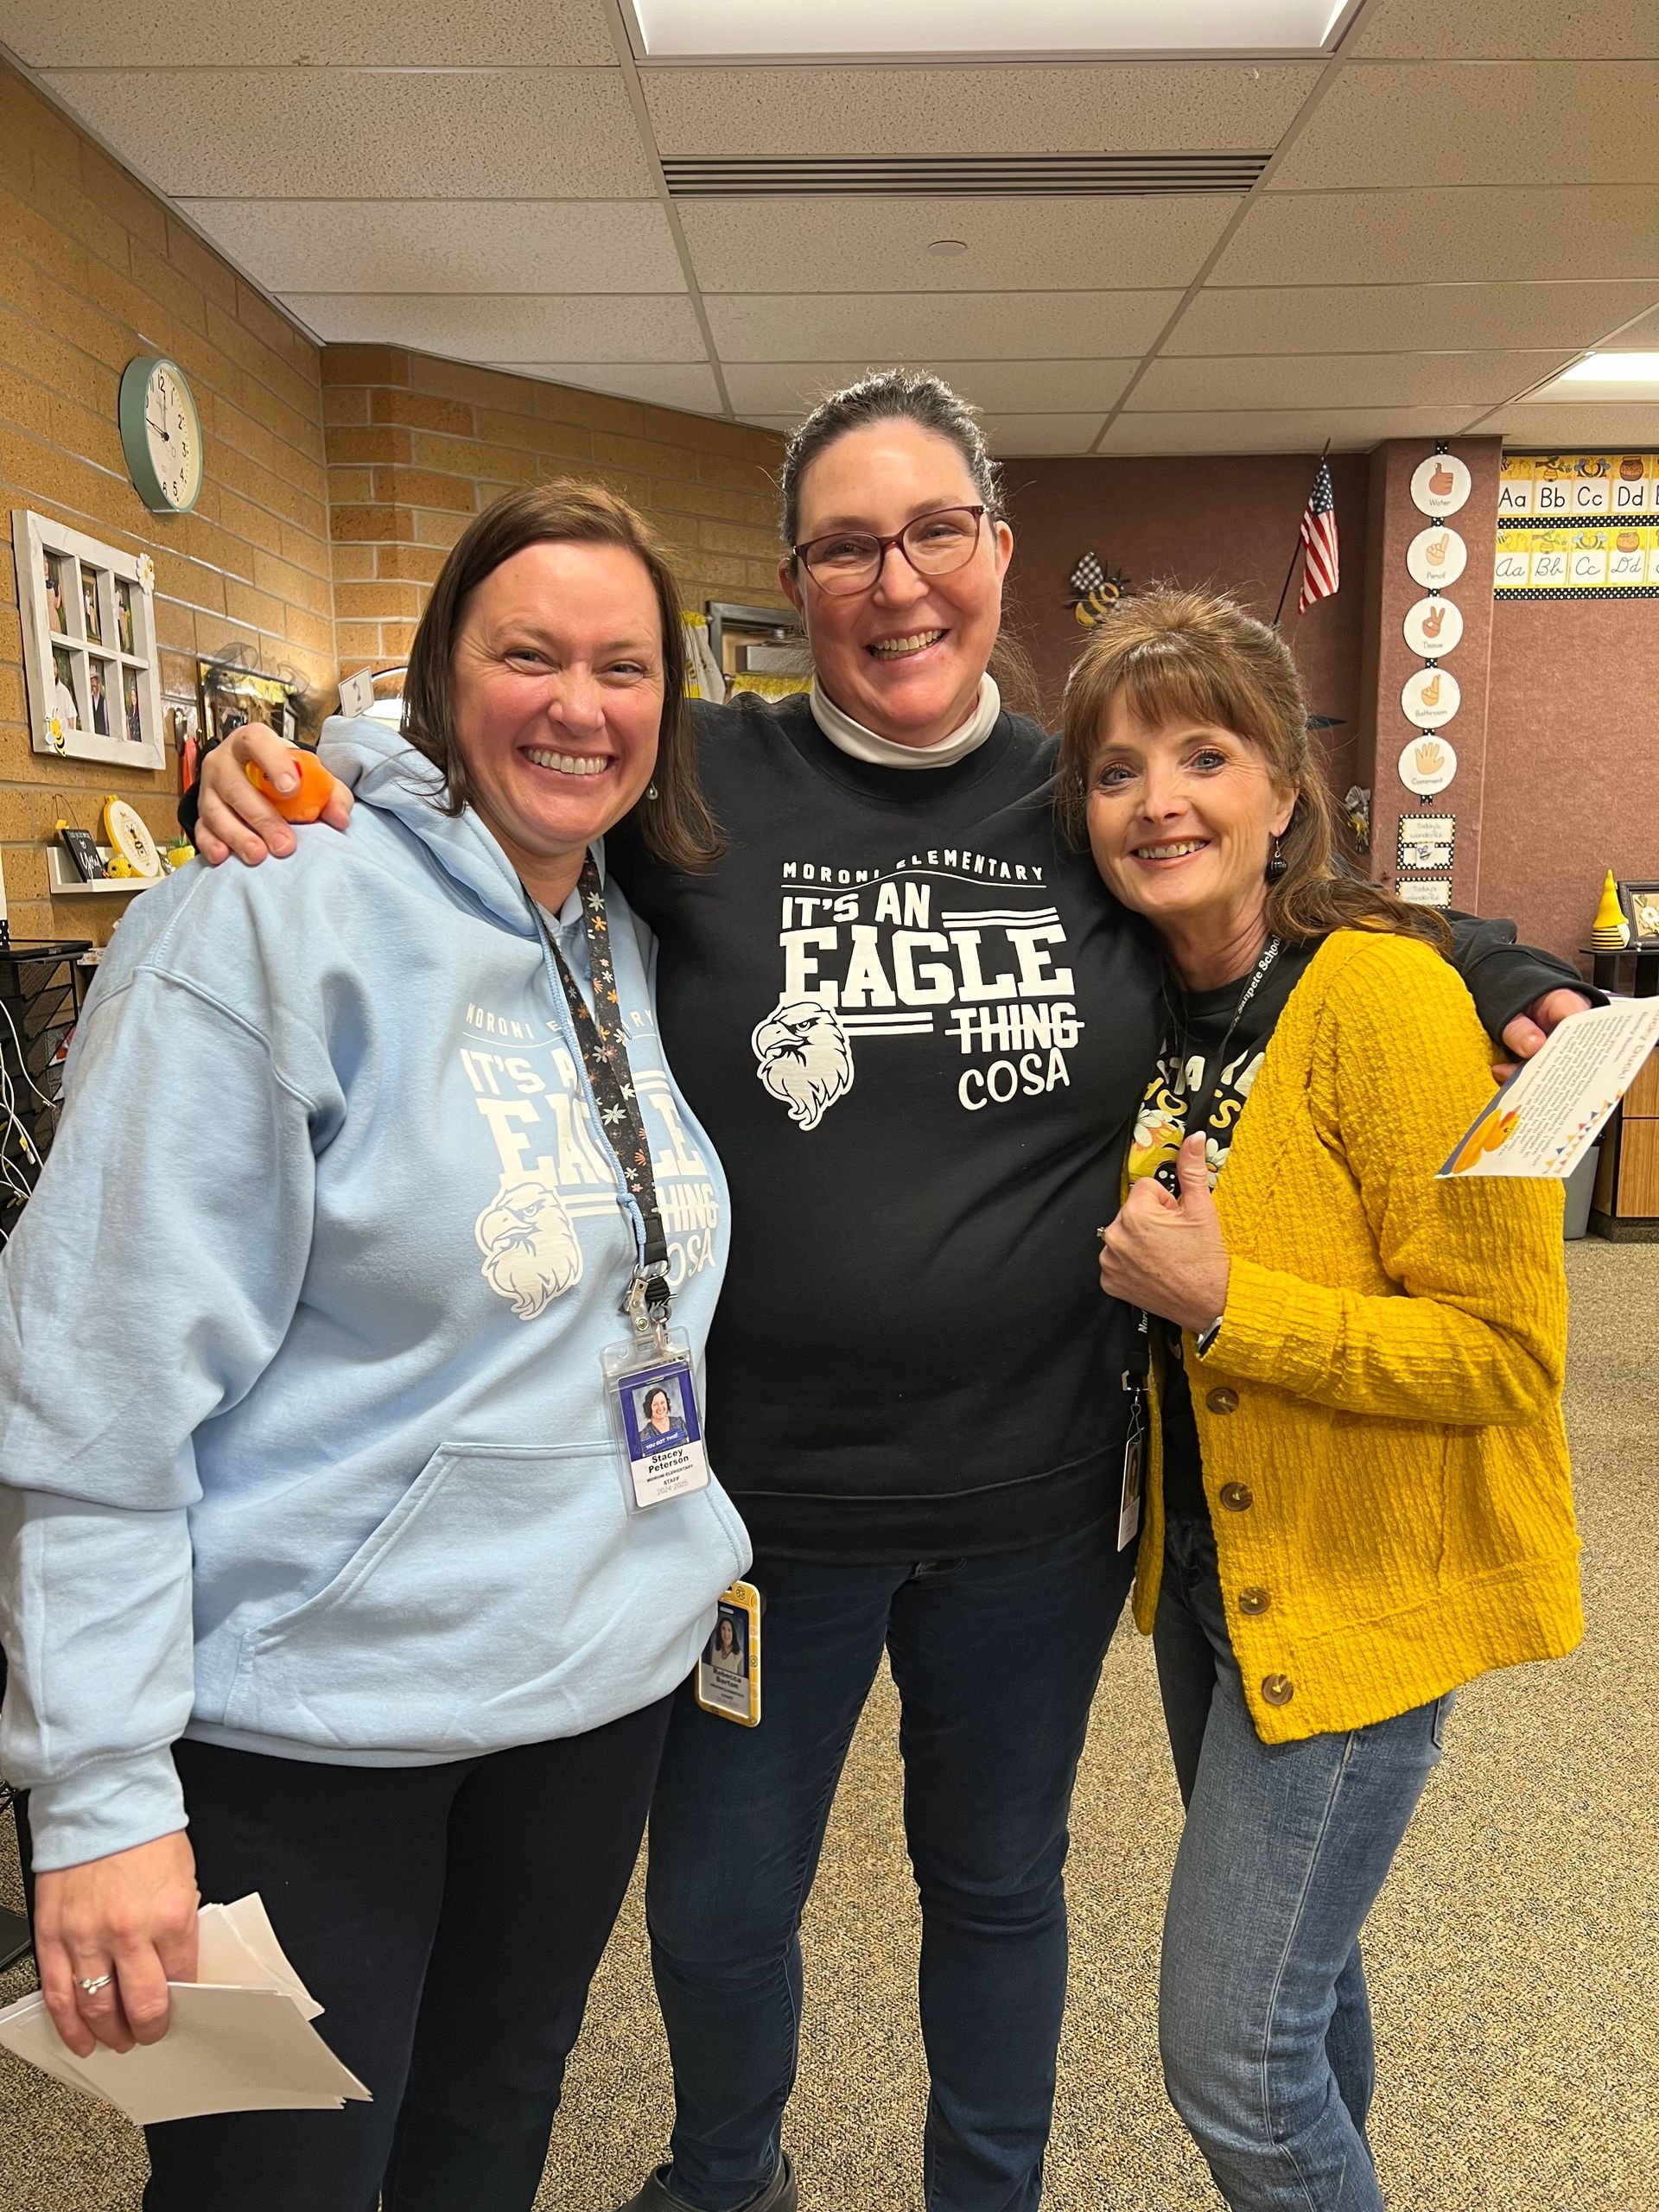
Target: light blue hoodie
{"points": [[300, 1335]]}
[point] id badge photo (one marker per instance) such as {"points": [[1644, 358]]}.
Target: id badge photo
{"points": [[653, 1399], [727, 1681]]}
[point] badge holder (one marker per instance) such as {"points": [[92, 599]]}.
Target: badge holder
{"points": [[653, 1401], [727, 1679], [1134, 1464]]}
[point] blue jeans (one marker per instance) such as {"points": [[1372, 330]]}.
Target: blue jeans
{"points": [[1263, 2020], [996, 1661]]}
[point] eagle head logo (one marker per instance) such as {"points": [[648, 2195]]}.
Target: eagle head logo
{"points": [[804, 1058], [531, 1252]]}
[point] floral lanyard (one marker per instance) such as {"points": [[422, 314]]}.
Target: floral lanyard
{"points": [[603, 1043]]}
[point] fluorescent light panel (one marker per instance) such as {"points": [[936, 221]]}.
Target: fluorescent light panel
{"points": [[1613, 368], [683, 30]]}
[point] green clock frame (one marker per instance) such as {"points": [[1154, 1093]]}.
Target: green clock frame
{"points": [[135, 443]]}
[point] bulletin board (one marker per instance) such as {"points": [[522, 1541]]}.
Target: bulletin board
{"points": [[1578, 526]]}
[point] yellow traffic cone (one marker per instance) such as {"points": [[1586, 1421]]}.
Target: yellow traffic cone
{"points": [[1609, 933]]}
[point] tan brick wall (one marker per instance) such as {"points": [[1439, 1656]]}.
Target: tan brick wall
{"points": [[92, 271], [416, 446]]}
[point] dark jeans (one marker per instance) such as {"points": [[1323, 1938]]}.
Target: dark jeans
{"points": [[449, 1920], [996, 1661], [1263, 2017]]}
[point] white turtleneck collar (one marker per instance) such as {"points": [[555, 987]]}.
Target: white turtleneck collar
{"points": [[850, 737]]}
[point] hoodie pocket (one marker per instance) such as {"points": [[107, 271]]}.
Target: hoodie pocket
{"points": [[507, 1597]]}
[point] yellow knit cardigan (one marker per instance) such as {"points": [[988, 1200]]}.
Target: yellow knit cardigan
{"points": [[1380, 1417]]}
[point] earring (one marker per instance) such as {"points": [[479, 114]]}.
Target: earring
{"points": [[1278, 867], [651, 791]]}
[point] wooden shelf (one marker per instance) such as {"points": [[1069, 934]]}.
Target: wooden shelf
{"points": [[64, 883]]}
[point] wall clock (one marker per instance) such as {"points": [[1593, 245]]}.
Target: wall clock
{"points": [[160, 434]]}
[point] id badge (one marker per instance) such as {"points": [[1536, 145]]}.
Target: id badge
{"points": [[727, 1680], [653, 1403], [1135, 1471]]}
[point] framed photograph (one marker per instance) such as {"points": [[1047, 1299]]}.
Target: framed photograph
{"points": [[1641, 905], [231, 697], [87, 612]]}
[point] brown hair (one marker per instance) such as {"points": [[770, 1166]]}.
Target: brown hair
{"points": [[1171, 654], [676, 825]]}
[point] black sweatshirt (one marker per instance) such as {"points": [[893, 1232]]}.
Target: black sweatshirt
{"points": [[917, 1029]]}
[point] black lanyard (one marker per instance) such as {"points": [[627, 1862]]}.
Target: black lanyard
{"points": [[1200, 1106], [603, 1044]]}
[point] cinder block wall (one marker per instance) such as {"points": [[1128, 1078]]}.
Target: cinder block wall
{"points": [[92, 271], [416, 446]]}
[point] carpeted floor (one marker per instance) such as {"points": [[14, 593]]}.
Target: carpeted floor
{"points": [[1513, 1955]]}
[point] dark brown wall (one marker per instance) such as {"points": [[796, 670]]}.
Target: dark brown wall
{"points": [[1228, 522], [1572, 761], [1384, 730]]}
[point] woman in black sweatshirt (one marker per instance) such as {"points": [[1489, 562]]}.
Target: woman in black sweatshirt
{"points": [[917, 1030]]}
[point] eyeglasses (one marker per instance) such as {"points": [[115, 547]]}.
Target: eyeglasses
{"points": [[850, 560]]}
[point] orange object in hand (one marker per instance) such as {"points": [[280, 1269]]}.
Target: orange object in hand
{"points": [[306, 802]]}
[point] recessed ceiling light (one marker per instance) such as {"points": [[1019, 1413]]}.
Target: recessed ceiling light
{"points": [[1613, 368], [666, 30], [948, 245]]}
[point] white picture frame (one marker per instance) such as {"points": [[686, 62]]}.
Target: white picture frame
{"points": [[90, 653]]}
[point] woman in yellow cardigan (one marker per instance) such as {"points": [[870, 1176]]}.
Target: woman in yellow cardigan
{"points": [[1358, 1496]]}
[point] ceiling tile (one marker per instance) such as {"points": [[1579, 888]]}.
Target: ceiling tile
{"points": [[1480, 235], [1027, 387], [1092, 108], [496, 327], [1341, 380], [446, 245], [1378, 318], [349, 134], [1639, 337], [935, 325], [877, 245], [1578, 430], [248, 33], [1494, 30], [1480, 123], [1036, 435], [689, 385], [1285, 430]]}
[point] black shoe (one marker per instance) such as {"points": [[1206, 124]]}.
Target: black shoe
{"points": [[778, 2196]]}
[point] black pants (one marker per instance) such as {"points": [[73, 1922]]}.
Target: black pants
{"points": [[449, 1919]]}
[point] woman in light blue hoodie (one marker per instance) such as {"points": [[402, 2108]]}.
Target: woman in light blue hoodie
{"points": [[330, 1550]]}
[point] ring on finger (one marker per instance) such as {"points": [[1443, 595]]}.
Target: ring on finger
{"points": [[90, 1985]]}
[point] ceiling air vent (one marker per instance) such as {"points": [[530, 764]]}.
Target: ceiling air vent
{"points": [[966, 176]]}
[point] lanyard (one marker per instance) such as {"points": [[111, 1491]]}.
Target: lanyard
{"points": [[1199, 1109], [1202, 1105], [604, 1048]]}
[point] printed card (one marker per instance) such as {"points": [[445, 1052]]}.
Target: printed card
{"points": [[1543, 1119]]}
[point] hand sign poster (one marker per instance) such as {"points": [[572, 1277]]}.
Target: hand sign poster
{"points": [[1426, 766]]}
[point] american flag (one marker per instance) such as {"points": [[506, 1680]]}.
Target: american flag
{"points": [[1320, 574]]}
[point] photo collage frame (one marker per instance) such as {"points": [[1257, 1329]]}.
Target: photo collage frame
{"points": [[88, 616]]}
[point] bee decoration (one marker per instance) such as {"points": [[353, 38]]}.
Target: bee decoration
{"points": [[1094, 589]]}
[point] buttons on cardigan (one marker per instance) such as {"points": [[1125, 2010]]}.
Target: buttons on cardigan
{"points": [[1278, 1689], [1238, 1497], [1254, 1601], [1222, 1400]]}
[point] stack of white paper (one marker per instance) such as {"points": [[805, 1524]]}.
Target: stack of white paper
{"points": [[240, 2038]]}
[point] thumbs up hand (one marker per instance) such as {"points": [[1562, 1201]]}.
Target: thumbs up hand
{"points": [[1168, 1255]]}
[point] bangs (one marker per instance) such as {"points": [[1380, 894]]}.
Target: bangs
{"points": [[1167, 679]]}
